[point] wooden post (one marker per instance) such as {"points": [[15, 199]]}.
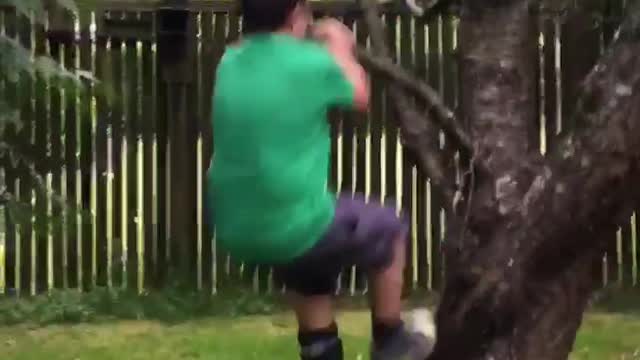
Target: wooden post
{"points": [[176, 33]]}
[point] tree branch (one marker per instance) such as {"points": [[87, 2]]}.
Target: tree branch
{"points": [[444, 116], [429, 8], [605, 153], [415, 130]]}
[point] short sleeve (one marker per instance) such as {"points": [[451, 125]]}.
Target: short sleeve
{"points": [[333, 86]]}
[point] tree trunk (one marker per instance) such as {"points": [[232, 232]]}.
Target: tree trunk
{"points": [[519, 271], [524, 230]]}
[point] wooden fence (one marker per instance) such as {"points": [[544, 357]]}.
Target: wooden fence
{"points": [[136, 165]]}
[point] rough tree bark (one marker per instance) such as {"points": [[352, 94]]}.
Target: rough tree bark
{"points": [[519, 271]]}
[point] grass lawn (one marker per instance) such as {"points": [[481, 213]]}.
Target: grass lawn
{"points": [[605, 335]]}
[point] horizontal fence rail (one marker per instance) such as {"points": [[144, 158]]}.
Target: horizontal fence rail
{"points": [[132, 169]]}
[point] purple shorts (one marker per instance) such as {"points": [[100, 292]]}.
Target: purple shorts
{"points": [[362, 234]]}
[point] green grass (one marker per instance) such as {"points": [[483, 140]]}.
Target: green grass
{"points": [[604, 336], [252, 329]]}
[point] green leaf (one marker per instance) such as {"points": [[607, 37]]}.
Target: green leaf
{"points": [[12, 117], [69, 5], [33, 9], [13, 159], [14, 59], [48, 68], [19, 212], [9, 117]]}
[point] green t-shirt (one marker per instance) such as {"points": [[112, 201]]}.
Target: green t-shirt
{"points": [[268, 176]]}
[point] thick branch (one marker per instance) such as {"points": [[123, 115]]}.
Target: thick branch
{"points": [[430, 8], [444, 116], [598, 166], [416, 131]]}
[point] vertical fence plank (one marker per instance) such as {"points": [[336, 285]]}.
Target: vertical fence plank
{"points": [[199, 171], [406, 163], [5, 228], [3, 164], [435, 203], [102, 134], [627, 254], [423, 263], [192, 117], [85, 132], [205, 85], [220, 26], [69, 253], [52, 119], [553, 83], [6, 173], [390, 133], [634, 250], [42, 140], [131, 122], [375, 121], [163, 162], [148, 121], [8, 91], [375, 134], [181, 100], [362, 140], [118, 171], [57, 171], [24, 182], [542, 139], [138, 221]]}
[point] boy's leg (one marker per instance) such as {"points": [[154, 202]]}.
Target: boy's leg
{"points": [[373, 238], [386, 294], [317, 329], [310, 287]]}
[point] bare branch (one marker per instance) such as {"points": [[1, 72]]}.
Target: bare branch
{"points": [[414, 127], [430, 8], [444, 116]]}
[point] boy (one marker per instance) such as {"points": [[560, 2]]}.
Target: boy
{"points": [[269, 172]]}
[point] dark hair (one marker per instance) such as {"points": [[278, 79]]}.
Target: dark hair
{"points": [[266, 15]]}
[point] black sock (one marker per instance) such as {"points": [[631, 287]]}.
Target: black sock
{"points": [[384, 330], [320, 344]]}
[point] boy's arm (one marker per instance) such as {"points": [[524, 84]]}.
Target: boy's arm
{"points": [[354, 73], [340, 43]]}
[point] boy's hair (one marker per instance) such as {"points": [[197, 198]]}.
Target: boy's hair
{"points": [[261, 16]]}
